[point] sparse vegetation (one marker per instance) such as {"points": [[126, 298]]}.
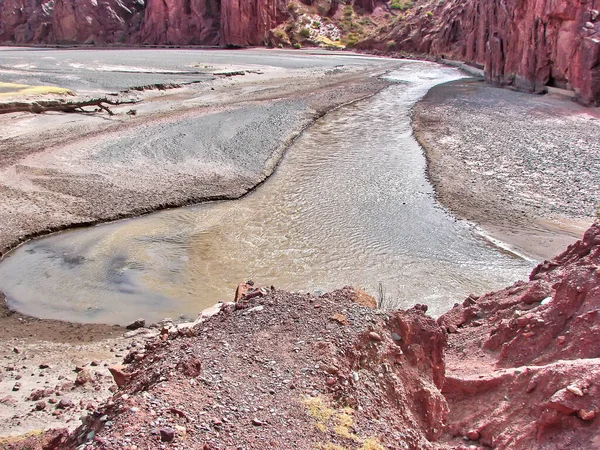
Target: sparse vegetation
{"points": [[401, 5]]}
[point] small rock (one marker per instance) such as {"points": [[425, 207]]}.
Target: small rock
{"points": [[258, 308], [8, 400], [95, 363], [330, 381], [16, 350], [167, 434], [473, 435], [451, 329], [339, 318], [65, 403], [374, 336], [257, 423], [44, 366], [16, 387], [575, 390], [121, 377], [140, 323], [586, 415], [83, 377], [40, 406]]}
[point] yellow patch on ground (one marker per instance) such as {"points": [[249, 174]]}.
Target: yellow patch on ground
{"points": [[24, 90], [371, 444], [5, 441], [344, 422], [318, 409], [325, 42], [338, 421], [329, 446]]}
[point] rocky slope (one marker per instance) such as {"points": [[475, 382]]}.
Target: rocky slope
{"points": [[512, 369]]}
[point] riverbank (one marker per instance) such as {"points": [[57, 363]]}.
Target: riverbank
{"points": [[522, 167]]}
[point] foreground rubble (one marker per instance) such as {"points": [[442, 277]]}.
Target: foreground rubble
{"points": [[513, 369]]}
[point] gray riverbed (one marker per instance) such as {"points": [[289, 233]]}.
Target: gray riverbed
{"points": [[349, 204]]}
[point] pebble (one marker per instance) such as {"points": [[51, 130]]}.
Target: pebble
{"points": [[167, 434], [374, 336], [473, 435], [586, 415], [575, 390], [40, 406]]}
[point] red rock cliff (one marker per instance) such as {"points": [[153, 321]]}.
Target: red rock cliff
{"points": [[181, 22], [100, 22], [521, 43], [247, 22]]}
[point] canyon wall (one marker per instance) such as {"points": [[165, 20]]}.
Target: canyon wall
{"points": [[168, 22], [521, 43]]}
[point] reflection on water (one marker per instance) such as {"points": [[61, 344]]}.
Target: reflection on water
{"points": [[349, 204]]}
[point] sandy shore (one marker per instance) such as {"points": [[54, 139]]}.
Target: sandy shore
{"points": [[524, 168]]}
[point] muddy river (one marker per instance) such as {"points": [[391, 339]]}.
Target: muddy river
{"points": [[350, 204]]}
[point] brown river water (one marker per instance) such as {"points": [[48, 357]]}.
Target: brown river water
{"points": [[350, 204]]}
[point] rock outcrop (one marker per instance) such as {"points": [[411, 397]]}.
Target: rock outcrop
{"points": [[513, 369], [523, 363], [524, 44], [181, 22], [248, 22]]}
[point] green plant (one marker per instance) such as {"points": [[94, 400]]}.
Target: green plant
{"points": [[401, 4], [429, 14], [316, 24], [305, 33], [297, 45]]}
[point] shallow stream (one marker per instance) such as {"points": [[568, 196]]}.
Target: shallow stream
{"points": [[349, 205]]}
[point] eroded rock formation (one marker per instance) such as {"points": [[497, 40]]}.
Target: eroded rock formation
{"points": [[524, 44]]}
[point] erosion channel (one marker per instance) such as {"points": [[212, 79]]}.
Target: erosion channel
{"points": [[348, 204]]}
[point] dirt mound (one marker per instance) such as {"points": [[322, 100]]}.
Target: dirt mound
{"points": [[282, 370]]}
